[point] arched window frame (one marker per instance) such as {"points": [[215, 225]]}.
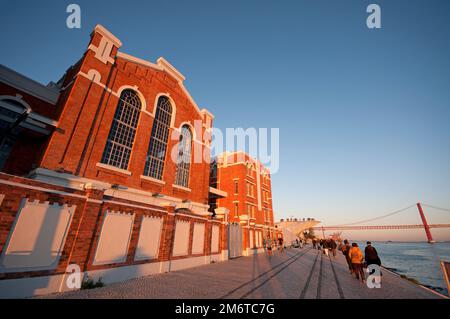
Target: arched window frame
{"points": [[159, 139], [183, 171], [122, 134]]}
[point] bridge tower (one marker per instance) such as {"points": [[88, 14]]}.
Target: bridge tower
{"points": [[425, 224]]}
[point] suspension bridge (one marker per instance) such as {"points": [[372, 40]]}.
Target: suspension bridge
{"points": [[425, 226]]}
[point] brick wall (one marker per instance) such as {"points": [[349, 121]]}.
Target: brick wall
{"points": [[85, 229], [88, 111]]}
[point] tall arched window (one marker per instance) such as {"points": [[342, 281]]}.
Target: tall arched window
{"points": [[184, 157], [154, 165], [123, 131]]}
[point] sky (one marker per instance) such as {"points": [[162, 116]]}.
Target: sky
{"points": [[363, 114]]}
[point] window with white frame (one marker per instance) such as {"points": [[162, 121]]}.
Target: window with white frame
{"points": [[156, 155], [120, 141], [184, 157]]}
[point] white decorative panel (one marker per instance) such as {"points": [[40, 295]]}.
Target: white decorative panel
{"points": [[181, 244], [198, 243], [114, 238], [251, 239], [37, 237], [215, 239], [149, 238]]}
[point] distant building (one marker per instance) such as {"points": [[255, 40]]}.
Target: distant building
{"points": [[293, 228], [248, 186]]}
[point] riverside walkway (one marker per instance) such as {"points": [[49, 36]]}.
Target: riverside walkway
{"points": [[299, 274]]}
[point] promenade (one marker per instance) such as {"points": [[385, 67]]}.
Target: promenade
{"points": [[299, 274]]}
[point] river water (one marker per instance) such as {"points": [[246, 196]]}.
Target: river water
{"points": [[419, 261]]}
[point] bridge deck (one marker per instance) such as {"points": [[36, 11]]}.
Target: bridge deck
{"points": [[300, 273]]}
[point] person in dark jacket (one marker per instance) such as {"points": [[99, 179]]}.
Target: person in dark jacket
{"points": [[371, 255], [333, 247], [345, 250], [326, 246]]}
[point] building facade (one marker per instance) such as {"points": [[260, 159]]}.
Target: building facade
{"points": [[107, 170], [249, 202]]}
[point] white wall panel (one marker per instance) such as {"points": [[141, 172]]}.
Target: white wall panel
{"points": [[181, 244], [198, 244], [114, 238], [37, 237], [149, 238]]}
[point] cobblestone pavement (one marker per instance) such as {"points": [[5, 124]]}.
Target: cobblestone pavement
{"points": [[299, 273]]}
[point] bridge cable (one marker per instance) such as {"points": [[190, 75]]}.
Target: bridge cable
{"points": [[435, 207], [380, 217]]}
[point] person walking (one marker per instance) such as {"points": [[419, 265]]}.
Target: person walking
{"points": [[314, 243], [357, 258], [371, 256], [340, 245], [326, 247], [281, 244], [345, 251], [269, 246], [333, 247]]}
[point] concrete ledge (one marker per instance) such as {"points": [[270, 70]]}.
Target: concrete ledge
{"points": [[125, 273], [28, 287], [38, 286]]}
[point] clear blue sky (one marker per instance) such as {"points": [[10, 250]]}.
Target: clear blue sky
{"points": [[364, 115]]}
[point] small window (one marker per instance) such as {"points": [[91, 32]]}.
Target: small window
{"points": [[236, 187]]}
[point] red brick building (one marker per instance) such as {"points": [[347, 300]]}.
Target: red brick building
{"points": [[248, 185], [101, 170]]}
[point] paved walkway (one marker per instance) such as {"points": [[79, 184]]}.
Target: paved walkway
{"points": [[300, 273]]}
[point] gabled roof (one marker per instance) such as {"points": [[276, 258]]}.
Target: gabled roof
{"points": [[164, 66]]}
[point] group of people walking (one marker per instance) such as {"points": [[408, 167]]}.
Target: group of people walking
{"points": [[357, 261], [269, 244], [328, 246]]}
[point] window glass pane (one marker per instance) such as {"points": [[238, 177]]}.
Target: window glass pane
{"points": [[123, 131], [184, 157], [156, 155]]}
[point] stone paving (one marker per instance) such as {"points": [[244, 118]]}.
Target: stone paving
{"points": [[297, 274]]}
